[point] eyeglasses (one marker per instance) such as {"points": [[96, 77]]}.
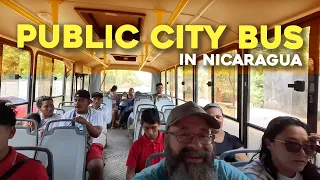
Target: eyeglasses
{"points": [[187, 138], [295, 147]]}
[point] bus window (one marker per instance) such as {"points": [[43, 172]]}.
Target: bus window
{"points": [[188, 83], [269, 93], [124, 79], [68, 92], [163, 80], [43, 76], [86, 82], [180, 86], [15, 70], [225, 87], [58, 80], [270, 96], [204, 91], [171, 82]]}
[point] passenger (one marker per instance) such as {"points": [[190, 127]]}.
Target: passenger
{"points": [[93, 120], [287, 145], [112, 95], [9, 157], [150, 143], [129, 109], [126, 98], [159, 88], [189, 149], [33, 116], [223, 140], [97, 99], [46, 108]]}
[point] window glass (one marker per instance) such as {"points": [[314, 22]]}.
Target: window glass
{"points": [[188, 80], [204, 91], [124, 79], [225, 87], [180, 80], [171, 82], [43, 76], [15, 70], [269, 93]]}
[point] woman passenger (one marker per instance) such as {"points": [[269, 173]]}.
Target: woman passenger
{"points": [[286, 152], [223, 140], [112, 95]]}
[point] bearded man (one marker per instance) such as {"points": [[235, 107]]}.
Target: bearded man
{"points": [[189, 149]]}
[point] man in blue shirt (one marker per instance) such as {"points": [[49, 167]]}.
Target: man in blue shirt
{"points": [[189, 149]]}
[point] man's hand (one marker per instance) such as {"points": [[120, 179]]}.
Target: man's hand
{"points": [[80, 120], [131, 107], [41, 131]]}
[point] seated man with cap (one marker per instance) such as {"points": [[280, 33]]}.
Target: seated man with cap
{"points": [[93, 120], [97, 99], [189, 149]]}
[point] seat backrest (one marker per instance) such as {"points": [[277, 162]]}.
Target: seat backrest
{"points": [[49, 167], [161, 102], [63, 103], [23, 137], [156, 155], [67, 108], [108, 102], [59, 111], [238, 164], [68, 146]]}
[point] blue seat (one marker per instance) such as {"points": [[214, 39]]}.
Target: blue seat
{"points": [[49, 167], [238, 164], [68, 145]]}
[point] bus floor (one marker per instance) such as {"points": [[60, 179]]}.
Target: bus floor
{"points": [[115, 154]]}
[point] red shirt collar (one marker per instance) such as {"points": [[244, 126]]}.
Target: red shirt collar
{"points": [[9, 160], [158, 140]]}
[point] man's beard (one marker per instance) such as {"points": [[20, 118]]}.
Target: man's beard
{"points": [[178, 169]]}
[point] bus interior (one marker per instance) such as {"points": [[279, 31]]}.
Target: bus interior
{"points": [[249, 96]]}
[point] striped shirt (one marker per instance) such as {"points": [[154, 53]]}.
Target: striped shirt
{"points": [[93, 117]]}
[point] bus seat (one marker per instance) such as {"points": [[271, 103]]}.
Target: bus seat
{"points": [[149, 160], [23, 137], [163, 102], [59, 111], [68, 146], [48, 153], [238, 164], [167, 107], [67, 108], [166, 113], [108, 102], [65, 102]]}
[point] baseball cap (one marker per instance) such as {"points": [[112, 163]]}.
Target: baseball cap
{"points": [[211, 105], [188, 109], [97, 94], [83, 94]]}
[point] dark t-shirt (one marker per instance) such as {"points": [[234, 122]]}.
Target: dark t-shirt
{"points": [[230, 142]]}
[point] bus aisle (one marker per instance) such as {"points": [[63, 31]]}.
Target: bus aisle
{"points": [[116, 153]]}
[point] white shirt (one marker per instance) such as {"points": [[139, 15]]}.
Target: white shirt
{"points": [[297, 177], [93, 117], [107, 115]]}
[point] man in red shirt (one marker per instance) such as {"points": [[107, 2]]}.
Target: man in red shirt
{"points": [[150, 143], [9, 158]]}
